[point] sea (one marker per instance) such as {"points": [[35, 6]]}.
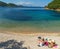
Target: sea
{"points": [[29, 20]]}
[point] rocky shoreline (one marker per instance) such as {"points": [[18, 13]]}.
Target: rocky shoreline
{"points": [[53, 9]]}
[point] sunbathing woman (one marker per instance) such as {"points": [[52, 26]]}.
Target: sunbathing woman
{"points": [[40, 41]]}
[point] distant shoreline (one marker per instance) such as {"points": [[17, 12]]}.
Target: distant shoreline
{"points": [[21, 7]]}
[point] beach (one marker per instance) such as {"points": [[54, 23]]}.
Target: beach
{"points": [[27, 25], [30, 40]]}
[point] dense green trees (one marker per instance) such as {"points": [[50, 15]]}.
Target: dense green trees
{"points": [[3, 4], [55, 4]]}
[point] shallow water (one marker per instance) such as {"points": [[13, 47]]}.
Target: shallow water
{"points": [[30, 19]]}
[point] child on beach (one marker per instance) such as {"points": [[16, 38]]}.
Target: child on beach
{"points": [[46, 42]]}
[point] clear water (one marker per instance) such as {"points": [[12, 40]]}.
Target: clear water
{"points": [[29, 19]]}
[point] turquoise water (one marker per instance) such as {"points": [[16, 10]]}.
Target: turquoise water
{"points": [[30, 19]]}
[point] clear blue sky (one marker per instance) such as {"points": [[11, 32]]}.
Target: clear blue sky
{"points": [[29, 2]]}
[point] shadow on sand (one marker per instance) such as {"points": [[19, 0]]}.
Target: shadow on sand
{"points": [[12, 44]]}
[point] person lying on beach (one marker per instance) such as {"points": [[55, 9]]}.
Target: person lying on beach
{"points": [[40, 41]]}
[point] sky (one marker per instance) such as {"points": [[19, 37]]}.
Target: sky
{"points": [[40, 3]]}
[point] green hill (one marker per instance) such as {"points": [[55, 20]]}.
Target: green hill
{"points": [[11, 5], [3, 4], [55, 4]]}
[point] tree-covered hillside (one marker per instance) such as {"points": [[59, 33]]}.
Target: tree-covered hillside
{"points": [[11, 5], [3, 4], [55, 4]]}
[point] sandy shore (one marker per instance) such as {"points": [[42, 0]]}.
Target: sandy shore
{"points": [[30, 40]]}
